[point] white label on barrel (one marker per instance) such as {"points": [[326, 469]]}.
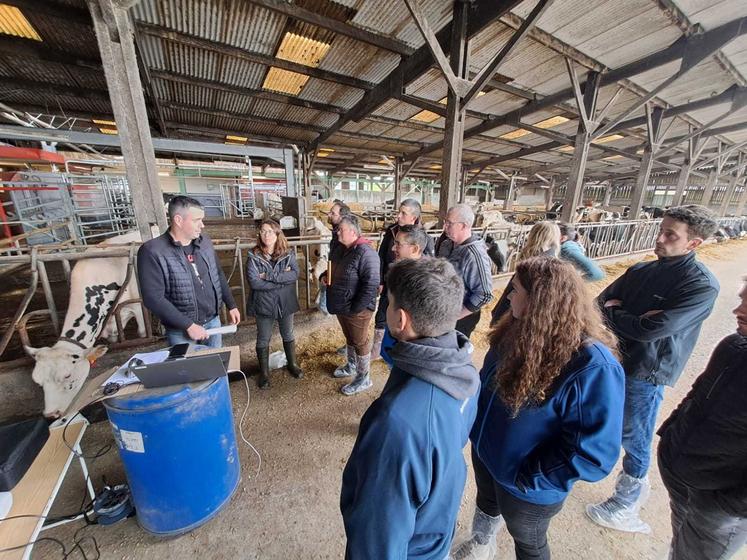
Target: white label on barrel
{"points": [[132, 441]]}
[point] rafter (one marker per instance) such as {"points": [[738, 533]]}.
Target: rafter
{"points": [[250, 56], [483, 13], [296, 12], [710, 40]]}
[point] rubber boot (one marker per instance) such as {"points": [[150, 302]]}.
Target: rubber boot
{"points": [[621, 511], [362, 379], [263, 356], [290, 353], [348, 368], [376, 348], [481, 544]]}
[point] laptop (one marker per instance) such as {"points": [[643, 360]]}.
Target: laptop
{"points": [[185, 370]]}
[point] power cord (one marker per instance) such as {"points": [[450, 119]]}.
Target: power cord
{"points": [[241, 422]]}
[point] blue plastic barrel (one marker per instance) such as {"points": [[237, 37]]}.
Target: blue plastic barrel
{"points": [[178, 447]]}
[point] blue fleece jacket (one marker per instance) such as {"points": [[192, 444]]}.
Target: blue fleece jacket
{"points": [[575, 434], [572, 252], [403, 483]]}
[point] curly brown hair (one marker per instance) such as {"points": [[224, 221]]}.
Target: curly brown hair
{"points": [[560, 316]]}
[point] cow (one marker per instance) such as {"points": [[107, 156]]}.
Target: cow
{"points": [[318, 254], [62, 368]]}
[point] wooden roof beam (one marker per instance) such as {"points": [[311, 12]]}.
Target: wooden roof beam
{"points": [[250, 56], [296, 12], [482, 14]]}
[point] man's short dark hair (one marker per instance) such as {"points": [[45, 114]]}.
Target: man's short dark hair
{"points": [[353, 222], [414, 234], [430, 290], [344, 208], [567, 230], [180, 203], [700, 221]]}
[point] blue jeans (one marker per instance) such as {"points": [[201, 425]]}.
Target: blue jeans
{"points": [[179, 336], [642, 401], [323, 298]]}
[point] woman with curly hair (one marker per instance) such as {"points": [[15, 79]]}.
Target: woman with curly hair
{"points": [[543, 240], [549, 412]]}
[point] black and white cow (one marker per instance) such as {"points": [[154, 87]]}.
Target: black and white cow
{"points": [[94, 284]]}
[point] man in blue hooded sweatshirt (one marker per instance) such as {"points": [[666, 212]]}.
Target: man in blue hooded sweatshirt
{"points": [[403, 482]]}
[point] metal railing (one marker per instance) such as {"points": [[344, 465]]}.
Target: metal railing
{"points": [[600, 241]]}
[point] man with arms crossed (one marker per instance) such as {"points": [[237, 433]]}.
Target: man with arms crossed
{"points": [[656, 310]]}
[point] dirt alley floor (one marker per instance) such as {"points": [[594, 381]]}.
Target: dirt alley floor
{"points": [[305, 430]]}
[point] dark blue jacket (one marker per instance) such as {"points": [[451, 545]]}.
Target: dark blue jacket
{"points": [[403, 483], [166, 283], [355, 280], [275, 294], [575, 434], [572, 252], [656, 348]]}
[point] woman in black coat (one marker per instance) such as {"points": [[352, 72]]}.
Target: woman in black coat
{"points": [[272, 271]]}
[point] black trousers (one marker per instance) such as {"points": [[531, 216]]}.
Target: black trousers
{"points": [[527, 523], [265, 325], [467, 324], [380, 318]]}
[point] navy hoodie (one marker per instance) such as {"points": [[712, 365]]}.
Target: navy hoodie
{"points": [[575, 434], [403, 483]]}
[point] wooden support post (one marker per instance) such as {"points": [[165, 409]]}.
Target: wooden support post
{"points": [[742, 201], [587, 108], [709, 186], [398, 180], [549, 193], [455, 112], [508, 204], [115, 37], [733, 182], [654, 118], [607, 196], [682, 178]]}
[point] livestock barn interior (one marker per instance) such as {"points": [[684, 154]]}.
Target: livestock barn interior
{"points": [[598, 112]]}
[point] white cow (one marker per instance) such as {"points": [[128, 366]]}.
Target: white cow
{"points": [[94, 284], [319, 254]]}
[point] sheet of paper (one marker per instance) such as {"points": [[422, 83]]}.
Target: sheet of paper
{"points": [[120, 376], [225, 329]]}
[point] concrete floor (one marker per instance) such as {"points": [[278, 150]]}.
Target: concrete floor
{"points": [[305, 430]]}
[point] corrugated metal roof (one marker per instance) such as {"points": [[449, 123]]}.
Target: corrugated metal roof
{"points": [[330, 93], [241, 24], [608, 32], [395, 20], [347, 56]]}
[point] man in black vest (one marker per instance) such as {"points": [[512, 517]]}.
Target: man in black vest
{"points": [[181, 281]]}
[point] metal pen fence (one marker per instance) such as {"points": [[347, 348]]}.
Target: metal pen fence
{"points": [[601, 240]]}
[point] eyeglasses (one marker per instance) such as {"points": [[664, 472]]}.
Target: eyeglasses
{"points": [[401, 243], [448, 224]]}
